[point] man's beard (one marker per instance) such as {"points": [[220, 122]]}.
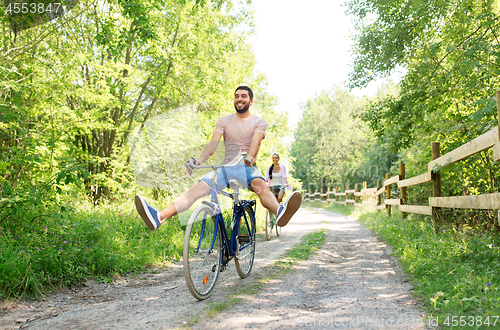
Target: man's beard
{"points": [[245, 108]]}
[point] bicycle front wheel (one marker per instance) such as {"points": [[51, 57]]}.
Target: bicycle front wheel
{"points": [[202, 253], [246, 243], [269, 225]]}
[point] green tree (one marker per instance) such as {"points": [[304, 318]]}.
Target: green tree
{"points": [[450, 52], [105, 68], [329, 142]]}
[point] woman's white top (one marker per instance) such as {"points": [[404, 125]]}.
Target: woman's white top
{"points": [[277, 180]]}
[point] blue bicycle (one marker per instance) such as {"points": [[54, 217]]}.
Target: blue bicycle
{"points": [[209, 245]]}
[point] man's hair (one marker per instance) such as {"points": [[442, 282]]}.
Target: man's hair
{"points": [[250, 93]]}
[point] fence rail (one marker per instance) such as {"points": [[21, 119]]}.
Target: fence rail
{"points": [[490, 139]]}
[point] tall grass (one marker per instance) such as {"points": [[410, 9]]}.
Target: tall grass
{"points": [[65, 248], [455, 272]]}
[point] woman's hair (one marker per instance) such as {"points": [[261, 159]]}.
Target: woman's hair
{"points": [[272, 166]]}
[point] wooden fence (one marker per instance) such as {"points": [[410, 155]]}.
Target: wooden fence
{"points": [[373, 196]]}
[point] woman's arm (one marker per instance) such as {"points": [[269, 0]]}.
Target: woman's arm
{"points": [[284, 175]]}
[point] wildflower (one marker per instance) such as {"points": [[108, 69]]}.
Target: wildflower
{"points": [[8, 229], [64, 242], [61, 249], [45, 228], [38, 249], [488, 284], [48, 244]]}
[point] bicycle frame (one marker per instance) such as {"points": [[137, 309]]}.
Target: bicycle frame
{"points": [[230, 244], [208, 244]]}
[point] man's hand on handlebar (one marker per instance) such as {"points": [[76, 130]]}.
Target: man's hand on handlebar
{"points": [[190, 162], [250, 161]]}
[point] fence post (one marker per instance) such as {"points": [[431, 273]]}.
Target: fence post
{"points": [[379, 185], [355, 191], [436, 185], [364, 195], [336, 191], [402, 176], [498, 110], [388, 194], [346, 188]]}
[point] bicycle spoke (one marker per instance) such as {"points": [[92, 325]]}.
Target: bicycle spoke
{"points": [[246, 243], [202, 250]]}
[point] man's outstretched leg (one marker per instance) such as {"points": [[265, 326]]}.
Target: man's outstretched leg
{"points": [[283, 211], [154, 218]]}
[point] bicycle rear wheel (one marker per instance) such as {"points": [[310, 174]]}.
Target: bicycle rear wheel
{"points": [[246, 243], [202, 253], [269, 225]]}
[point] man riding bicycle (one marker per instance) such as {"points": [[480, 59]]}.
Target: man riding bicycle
{"points": [[243, 132]]}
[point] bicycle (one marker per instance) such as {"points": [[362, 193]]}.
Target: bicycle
{"points": [[271, 223], [208, 247]]}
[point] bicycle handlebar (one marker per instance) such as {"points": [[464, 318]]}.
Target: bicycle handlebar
{"points": [[190, 163]]}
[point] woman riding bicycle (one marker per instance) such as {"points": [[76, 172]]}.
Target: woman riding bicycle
{"points": [[276, 177]]}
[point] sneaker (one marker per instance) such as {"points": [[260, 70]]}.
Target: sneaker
{"points": [[288, 209], [149, 214]]}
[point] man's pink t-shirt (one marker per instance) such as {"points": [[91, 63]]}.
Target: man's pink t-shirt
{"points": [[238, 134]]}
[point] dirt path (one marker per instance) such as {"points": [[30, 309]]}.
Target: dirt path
{"points": [[351, 283]]}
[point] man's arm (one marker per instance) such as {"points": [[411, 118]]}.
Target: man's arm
{"points": [[254, 147], [210, 148]]}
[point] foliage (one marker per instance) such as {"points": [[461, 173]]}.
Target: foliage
{"points": [[330, 143], [68, 247], [449, 52], [73, 88]]}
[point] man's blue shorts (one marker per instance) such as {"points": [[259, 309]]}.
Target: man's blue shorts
{"points": [[242, 173]]}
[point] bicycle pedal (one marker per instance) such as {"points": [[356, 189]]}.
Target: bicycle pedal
{"points": [[244, 239]]}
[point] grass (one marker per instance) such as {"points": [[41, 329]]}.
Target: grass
{"points": [[456, 273], [66, 248]]}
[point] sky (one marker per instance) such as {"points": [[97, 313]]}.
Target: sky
{"points": [[303, 48]]}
